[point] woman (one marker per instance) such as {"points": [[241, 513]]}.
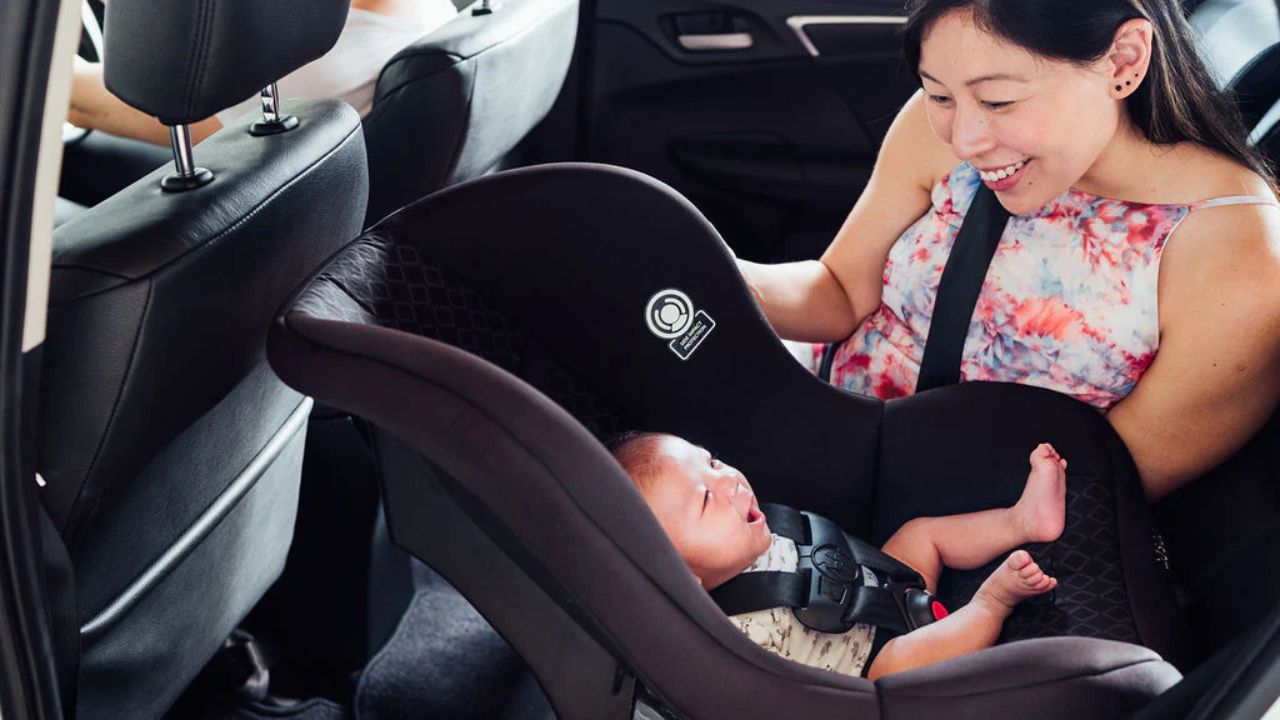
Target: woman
{"points": [[1142, 222]]}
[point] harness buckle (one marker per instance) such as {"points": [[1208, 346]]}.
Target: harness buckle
{"points": [[833, 574]]}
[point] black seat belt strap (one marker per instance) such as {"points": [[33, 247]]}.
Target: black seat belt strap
{"points": [[754, 591], [787, 522], [959, 287], [876, 606], [884, 565]]}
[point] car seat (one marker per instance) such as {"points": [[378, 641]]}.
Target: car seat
{"points": [[170, 453], [457, 103], [494, 475]]}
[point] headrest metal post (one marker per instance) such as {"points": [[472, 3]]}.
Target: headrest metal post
{"points": [[272, 123], [186, 175]]}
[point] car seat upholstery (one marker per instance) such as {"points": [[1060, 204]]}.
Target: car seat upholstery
{"points": [[171, 454], [501, 484], [455, 104]]}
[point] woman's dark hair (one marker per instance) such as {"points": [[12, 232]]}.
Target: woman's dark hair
{"points": [[1179, 100]]}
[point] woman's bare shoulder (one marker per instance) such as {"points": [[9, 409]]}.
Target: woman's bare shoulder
{"points": [[1189, 173], [1223, 250]]}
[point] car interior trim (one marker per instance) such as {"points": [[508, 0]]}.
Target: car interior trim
{"points": [[798, 23], [201, 528], [48, 171], [717, 41]]}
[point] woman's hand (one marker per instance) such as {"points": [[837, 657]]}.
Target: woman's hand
{"points": [[1216, 376], [825, 301]]}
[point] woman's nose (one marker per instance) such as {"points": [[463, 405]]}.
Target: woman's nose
{"points": [[970, 134]]}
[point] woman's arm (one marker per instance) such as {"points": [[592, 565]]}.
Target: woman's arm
{"points": [[823, 301], [93, 107], [1216, 376]]}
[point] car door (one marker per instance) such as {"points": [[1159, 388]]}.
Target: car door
{"points": [[38, 635], [766, 114]]}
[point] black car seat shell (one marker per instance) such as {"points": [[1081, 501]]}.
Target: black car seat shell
{"points": [[171, 454], [489, 479], [455, 104]]}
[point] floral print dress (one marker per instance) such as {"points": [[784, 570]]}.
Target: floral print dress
{"points": [[1069, 302]]}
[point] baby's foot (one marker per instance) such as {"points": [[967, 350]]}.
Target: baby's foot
{"points": [[1017, 578], [1042, 509]]}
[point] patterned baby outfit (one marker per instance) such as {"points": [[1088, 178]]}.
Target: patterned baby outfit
{"points": [[777, 629], [1069, 302]]}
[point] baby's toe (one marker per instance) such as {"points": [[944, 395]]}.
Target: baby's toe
{"points": [[1019, 560]]}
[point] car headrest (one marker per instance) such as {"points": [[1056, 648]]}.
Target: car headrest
{"points": [[184, 60]]}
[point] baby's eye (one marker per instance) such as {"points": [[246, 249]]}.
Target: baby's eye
{"points": [[706, 499]]}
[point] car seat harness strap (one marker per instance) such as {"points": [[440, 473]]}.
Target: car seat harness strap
{"points": [[839, 582]]}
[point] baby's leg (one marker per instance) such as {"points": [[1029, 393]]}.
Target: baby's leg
{"points": [[964, 542], [973, 627]]}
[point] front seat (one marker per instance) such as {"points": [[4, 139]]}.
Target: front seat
{"points": [[459, 102], [171, 454]]}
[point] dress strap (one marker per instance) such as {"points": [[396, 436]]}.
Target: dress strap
{"points": [[1234, 200]]}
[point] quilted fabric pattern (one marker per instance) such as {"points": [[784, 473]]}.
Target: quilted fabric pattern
{"points": [[1091, 599], [399, 285]]}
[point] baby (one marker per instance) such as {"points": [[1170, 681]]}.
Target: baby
{"points": [[710, 513]]}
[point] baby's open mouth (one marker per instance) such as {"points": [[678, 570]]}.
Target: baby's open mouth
{"points": [[754, 515]]}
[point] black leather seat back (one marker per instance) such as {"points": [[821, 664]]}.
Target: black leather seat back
{"points": [[171, 453], [455, 104]]}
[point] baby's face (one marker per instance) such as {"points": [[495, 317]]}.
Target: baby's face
{"points": [[707, 508]]}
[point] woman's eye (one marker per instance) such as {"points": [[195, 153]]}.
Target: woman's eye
{"points": [[996, 105], [939, 99]]}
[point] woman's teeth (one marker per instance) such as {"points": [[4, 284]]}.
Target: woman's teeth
{"points": [[1002, 173]]}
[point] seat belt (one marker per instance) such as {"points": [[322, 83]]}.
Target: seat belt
{"points": [[959, 287], [958, 290], [830, 591]]}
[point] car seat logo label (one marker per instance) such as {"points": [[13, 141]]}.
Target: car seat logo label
{"points": [[671, 315]]}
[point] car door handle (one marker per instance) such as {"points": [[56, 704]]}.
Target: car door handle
{"points": [[715, 31], [716, 41]]}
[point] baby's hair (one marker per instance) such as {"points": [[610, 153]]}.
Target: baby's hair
{"points": [[633, 450]]}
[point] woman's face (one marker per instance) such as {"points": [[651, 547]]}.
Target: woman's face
{"points": [[1033, 126]]}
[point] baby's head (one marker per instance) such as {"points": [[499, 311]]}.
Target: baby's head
{"points": [[706, 507]]}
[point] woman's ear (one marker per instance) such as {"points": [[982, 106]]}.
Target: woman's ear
{"points": [[1130, 56]]}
